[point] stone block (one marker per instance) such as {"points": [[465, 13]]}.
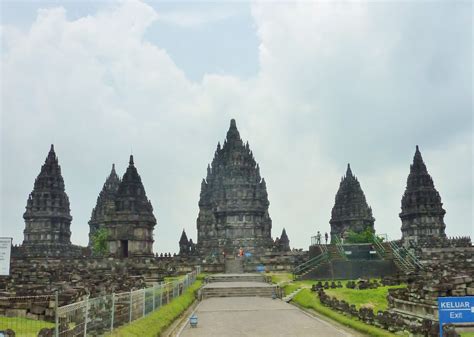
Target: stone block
{"points": [[37, 309], [15, 312]]}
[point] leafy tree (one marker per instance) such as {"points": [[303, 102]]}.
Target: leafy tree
{"points": [[366, 236], [99, 241]]}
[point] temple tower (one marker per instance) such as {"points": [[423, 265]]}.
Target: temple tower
{"points": [[125, 211], [283, 242], [422, 210], [350, 211], [233, 205], [105, 203], [183, 244], [47, 217]]}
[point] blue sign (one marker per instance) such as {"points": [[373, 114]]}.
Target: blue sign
{"points": [[455, 310]]}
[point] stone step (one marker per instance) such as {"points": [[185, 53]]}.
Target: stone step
{"points": [[239, 292], [236, 278]]}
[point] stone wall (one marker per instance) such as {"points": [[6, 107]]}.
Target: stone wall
{"points": [[447, 272], [387, 320]]}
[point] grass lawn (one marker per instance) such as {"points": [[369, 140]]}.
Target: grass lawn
{"points": [[375, 299], [309, 300], [467, 334], [23, 326], [155, 323], [280, 277]]}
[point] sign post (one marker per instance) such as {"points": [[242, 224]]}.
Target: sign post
{"points": [[5, 254], [455, 310]]}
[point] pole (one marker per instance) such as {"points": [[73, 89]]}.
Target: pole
{"points": [[56, 316], [440, 329], [161, 295], [144, 302], [87, 314], [154, 295], [113, 313], [130, 308]]}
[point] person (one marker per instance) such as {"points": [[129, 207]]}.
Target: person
{"points": [[241, 252], [318, 238], [326, 237]]}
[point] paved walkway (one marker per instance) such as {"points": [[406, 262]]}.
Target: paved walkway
{"points": [[256, 317]]}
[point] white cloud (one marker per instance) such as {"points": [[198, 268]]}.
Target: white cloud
{"points": [[338, 83]]}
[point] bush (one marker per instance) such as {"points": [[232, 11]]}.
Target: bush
{"points": [[366, 236], [99, 242]]}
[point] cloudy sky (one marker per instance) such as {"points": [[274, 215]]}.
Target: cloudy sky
{"points": [[312, 86]]}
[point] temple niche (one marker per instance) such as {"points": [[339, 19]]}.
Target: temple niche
{"points": [[47, 216], [422, 210], [351, 211], [233, 204], [124, 210]]}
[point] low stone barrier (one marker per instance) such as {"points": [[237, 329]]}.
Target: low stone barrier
{"points": [[390, 321]]}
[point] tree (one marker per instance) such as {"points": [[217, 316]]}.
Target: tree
{"points": [[99, 241], [366, 236]]}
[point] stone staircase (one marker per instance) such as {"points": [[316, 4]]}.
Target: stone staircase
{"points": [[335, 253], [238, 285], [239, 290], [235, 278], [234, 265]]}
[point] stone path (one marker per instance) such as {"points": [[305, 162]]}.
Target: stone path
{"points": [[256, 317]]}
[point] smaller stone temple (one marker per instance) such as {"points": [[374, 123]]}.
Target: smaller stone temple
{"points": [[105, 203], [422, 210], [282, 244], [351, 211], [124, 210], [48, 217], [186, 247]]}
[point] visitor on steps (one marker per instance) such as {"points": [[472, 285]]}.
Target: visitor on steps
{"points": [[318, 238], [326, 237]]}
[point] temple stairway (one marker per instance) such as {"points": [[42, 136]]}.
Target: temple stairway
{"points": [[234, 265], [238, 285]]}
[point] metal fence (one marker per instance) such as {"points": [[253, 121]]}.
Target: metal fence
{"points": [[96, 316], [27, 315]]}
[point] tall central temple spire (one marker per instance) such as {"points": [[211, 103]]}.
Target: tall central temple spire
{"points": [[233, 205]]}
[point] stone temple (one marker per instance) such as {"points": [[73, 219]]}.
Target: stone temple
{"points": [[105, 203], [422, 210], [233, 204], [124, 210], [48, 217], [350, 211]]}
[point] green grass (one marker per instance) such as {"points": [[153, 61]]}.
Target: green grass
{"points": [[280, 277], [23, 326], [375, 299], [309, 300], [155, 323], [467, 334]]}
